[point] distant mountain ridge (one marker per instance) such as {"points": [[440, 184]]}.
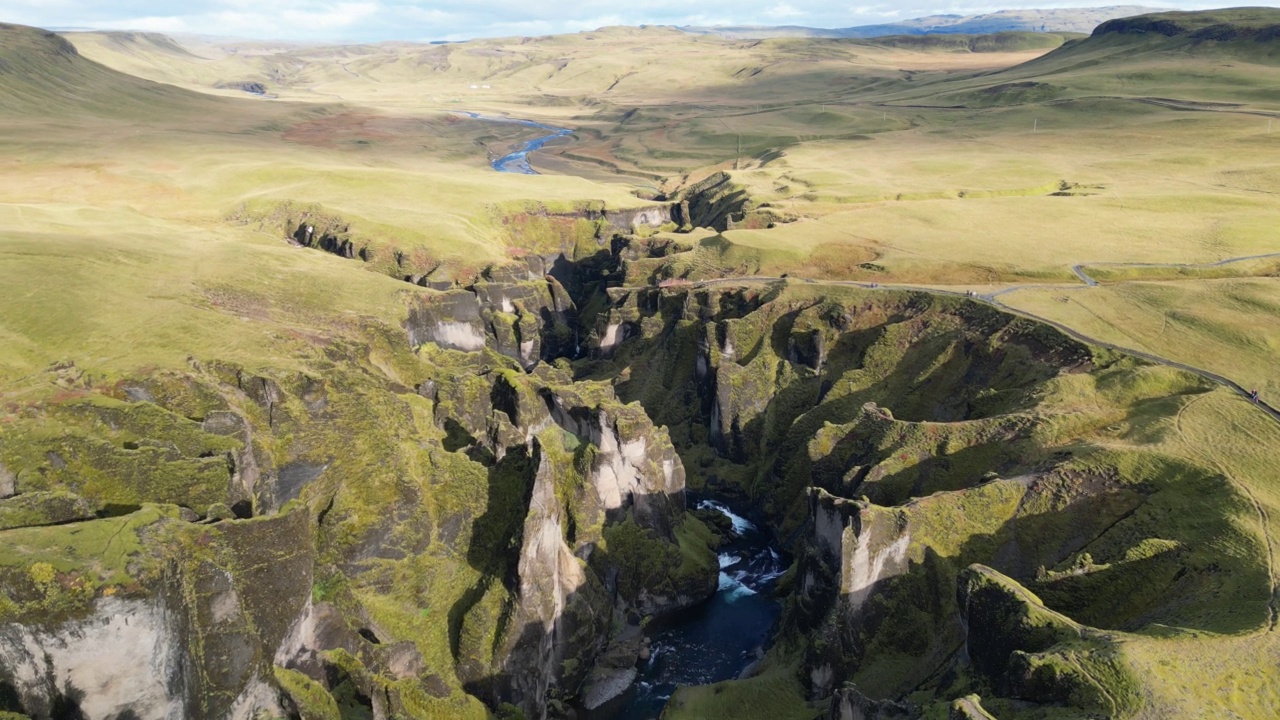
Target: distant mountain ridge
{"points": [[1078, 20]]}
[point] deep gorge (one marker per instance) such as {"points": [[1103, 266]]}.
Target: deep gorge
{"points": [[488, 505]]}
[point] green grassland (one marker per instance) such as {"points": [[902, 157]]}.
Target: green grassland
{"points": [[142, 205], [1133, 148], [1138, 148], [1231, 326]]}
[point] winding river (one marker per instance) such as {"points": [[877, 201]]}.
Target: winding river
{"points": [[518, 161], [722, 637]]}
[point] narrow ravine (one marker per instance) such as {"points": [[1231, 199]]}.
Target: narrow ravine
{"points": [[721, 638], [517, 161]]}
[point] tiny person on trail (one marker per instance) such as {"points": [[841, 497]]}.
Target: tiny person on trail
{"points": [[1253, 395]]}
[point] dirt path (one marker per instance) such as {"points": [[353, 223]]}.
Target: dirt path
{"points": [[1088, 281], [1273, 606], [993, 300]]}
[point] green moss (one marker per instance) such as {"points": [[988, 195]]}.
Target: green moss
{"points": [[645, 561], [310, 697], [544, 230], [42, 508], [507, 711], [115, 453], [48, 574], [968, 708], [774, 693], [421, 705]]}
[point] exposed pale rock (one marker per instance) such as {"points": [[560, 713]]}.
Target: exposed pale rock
{"points": [[127, 657]]}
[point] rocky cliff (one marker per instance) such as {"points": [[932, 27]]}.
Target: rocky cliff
{"points": [[473, 512], [899, 438], [399, 532]]}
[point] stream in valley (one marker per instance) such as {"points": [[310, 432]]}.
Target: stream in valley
{"points": [[518, 160], [722, 637]]}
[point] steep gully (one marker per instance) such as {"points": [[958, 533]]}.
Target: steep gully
{"points": [[993, 300], [518, 162], [721, 638], [703, 647]]}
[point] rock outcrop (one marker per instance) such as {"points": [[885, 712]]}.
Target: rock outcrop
{"points": [[604, 494], [522, 315], [196, 641], [125, 657], [849, 703], [901, 438], [1034, 654]]}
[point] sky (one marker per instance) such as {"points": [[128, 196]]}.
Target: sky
{"points": [[426, 20]]}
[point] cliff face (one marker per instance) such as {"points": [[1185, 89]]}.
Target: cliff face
{"points": [[198, 643], [588, 464], [126, 651], [900, 438], [524, 316], [400, 533], [474, 512]]}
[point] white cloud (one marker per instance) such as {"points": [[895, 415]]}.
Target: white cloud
{"points": [[877, 11], [334, 17], [371, 20], [783, 11], [154, 23]]}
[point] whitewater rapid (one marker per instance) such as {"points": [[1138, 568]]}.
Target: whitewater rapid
{"points": [[719, 639]]}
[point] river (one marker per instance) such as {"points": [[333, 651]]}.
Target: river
{"points": [[720, 638], [518, 160]]}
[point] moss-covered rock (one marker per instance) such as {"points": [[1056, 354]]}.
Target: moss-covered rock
{"points": [[43, 508], [311, 701], [1032, 653], [968, 707]]}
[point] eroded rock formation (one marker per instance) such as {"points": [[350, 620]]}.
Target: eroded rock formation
{"points": [[477, 510]]}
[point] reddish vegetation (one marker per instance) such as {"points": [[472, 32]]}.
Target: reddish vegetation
{"points": [[753, 221], [63, 396], [347, 127], [359, 127]]}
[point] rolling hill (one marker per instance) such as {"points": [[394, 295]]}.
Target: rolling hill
{"points": [[44, 75], [1072, 20]]}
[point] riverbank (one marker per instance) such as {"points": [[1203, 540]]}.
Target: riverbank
{"points": [[517, 161], [721, 638]]}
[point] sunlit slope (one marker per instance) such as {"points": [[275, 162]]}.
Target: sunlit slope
{"points": [[115, 291], [1230, 58], [1017, 175], [1229, 326], [419, 183], [156, 57], [43, 75], [560, 74]]}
